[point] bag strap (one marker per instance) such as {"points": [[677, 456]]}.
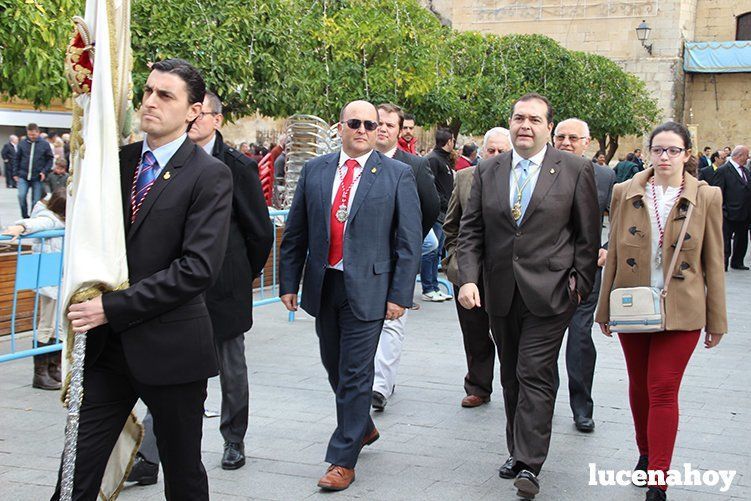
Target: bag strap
{"points": [[677, 251]]}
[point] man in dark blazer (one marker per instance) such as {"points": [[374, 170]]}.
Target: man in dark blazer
{"points": [[354, 227], [230, 299], [532, 225], [388, 355], [704, 159], [572, 135], [153, 340], [733, 179], [9, 154]]}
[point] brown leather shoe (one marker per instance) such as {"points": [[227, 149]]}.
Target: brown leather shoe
{"points": [[337, 478], [474, 401], [370, 437]]}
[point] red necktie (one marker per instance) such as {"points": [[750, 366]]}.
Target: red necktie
{"points": [[336, 250]]}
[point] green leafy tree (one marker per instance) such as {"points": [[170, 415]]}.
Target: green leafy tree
{"points": [[32, 48], [292, 56], [612, 101]]}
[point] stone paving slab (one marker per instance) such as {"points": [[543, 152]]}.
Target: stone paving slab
{"points": [[430, 448]]}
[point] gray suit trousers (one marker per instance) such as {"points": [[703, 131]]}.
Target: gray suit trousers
{"points": [[233, 377]]}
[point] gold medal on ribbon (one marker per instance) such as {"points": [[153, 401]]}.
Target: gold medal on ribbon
{"points": [[516, 211]]}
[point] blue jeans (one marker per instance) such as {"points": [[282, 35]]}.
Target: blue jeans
{"points": [[23, 191], [429, 263], [429, 244]]}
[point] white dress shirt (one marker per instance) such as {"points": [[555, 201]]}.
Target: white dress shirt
{"points": [[164, 153], [535, 164], [666, 198], [341, 172], [209, 147], [741, 172]]}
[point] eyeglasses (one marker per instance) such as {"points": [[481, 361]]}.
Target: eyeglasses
{"points": [[672, 151], [204, 113], [355, 123], [571, 137]]}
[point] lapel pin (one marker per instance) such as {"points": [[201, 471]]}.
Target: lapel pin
{"points": [[373, 170], [552, 171], [167, 175]]}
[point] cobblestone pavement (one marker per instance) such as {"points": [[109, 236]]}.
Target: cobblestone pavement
{"points": [[430, 447]]}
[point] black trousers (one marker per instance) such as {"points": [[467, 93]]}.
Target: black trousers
{"points": [[110, 392], [9, 182], [528, 348], [735, 236], [581, 354], [348, 347], [478, 346]]}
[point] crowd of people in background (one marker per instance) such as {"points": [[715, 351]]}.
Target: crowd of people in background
{"points": [[504, 306]]}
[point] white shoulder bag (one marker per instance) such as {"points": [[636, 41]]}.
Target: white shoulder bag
{"points": [[642, 309]]}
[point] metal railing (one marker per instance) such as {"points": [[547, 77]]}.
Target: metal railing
{"points": [[36, 270]]}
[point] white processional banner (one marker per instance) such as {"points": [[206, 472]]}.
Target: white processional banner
{"points": [[95, 256]]}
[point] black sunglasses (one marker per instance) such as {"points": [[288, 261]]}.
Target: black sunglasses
{"points": [[355, 123]]}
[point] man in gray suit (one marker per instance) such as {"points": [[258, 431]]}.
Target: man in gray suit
{"points": [[572, 135], [354, 227], [532, 226]]}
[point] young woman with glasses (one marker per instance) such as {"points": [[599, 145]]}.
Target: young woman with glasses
{"points": [[647, 213]]}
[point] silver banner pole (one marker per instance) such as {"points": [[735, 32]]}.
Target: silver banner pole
{"points": [[75, 397]]}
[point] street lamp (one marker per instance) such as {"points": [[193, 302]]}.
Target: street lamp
{"points": [[642, 33]]}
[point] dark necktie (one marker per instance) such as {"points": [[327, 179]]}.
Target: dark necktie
{"points": [[145, 177]]}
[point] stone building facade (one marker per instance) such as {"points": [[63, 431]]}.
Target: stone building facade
{"points": [[714, 104]]}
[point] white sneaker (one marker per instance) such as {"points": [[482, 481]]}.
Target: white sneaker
{"points": [[433, 296], [445, 297]]}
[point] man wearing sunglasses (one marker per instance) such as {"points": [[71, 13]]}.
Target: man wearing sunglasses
{"points": [[354, 235]]}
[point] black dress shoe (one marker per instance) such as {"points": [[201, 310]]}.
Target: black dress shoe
{"points": [[527, 485], [641, 465], [509, 469], [379, 401], [585, 424], [740, 267], [656, 494], [234, 456], [143, 472]]}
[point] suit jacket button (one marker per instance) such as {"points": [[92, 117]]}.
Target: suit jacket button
{"points": [[518, 233], [516, 258]]}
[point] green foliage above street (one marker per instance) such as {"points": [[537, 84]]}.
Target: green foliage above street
{"points": [[292, 56], [32, 48]]}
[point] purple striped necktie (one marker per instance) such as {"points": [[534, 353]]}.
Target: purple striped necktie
{"points": [[144, 180]]}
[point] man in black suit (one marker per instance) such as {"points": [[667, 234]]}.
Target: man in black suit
{"points": [[153, 340], [704, 160], [733, 179], [353, 231], [390, 120], [9, 154], [230, 299], [531, 229]]}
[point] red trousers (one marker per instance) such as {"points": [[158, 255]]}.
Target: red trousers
{"points": [[655, 364]]}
